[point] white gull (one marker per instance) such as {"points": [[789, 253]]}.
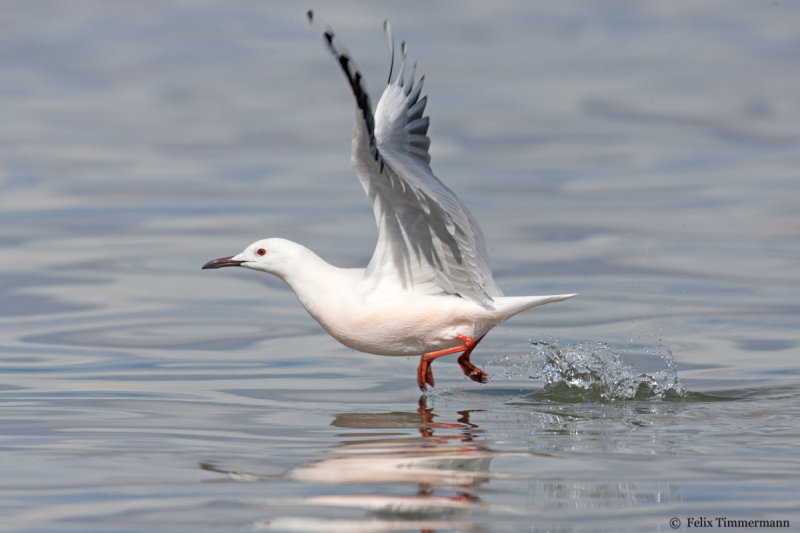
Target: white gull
{"points": [[428, 288]]}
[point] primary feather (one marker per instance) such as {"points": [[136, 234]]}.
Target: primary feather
{"points": [[428, 240]]}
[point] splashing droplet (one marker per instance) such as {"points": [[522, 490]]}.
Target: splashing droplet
{"points": [[595, 372]]}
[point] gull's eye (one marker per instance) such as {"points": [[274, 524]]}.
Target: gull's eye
{"points": [[261, 251]]}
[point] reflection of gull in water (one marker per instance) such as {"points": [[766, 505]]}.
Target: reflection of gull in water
{"points": [[412, 462], [428, 289], [446, 470], [316, 525], [409, 471]]}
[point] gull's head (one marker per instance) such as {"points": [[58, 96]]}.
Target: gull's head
{"points": [[267, 255]]}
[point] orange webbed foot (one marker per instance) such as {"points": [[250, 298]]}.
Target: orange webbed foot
{"points": [[425, 374], [471, 371]]}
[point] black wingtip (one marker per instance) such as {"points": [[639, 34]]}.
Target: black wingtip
{"points": [[356, 84], [387, 29], [310, 16]]}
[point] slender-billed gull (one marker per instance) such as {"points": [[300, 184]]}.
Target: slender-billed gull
{"points": [[428, 288]]}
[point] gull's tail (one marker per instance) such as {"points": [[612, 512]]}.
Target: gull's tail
{"points": [[508, 306]]}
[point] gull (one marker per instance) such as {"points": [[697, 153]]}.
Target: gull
{"points": [[428, 288]]}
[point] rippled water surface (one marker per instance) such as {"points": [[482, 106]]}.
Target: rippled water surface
{"points": [[643, 155]]}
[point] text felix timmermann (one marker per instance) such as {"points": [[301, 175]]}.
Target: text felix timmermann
{"points": [[722, 521]]}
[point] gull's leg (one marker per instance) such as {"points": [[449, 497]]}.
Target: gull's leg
{"points": [[424, 373], [471, 371]]}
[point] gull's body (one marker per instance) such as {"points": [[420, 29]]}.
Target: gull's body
{"points": [[428, 289]]}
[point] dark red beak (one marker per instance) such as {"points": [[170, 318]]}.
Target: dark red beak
{"points": [[222, 262]]}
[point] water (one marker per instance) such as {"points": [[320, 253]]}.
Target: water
{"points": [[594, 373], [644, 156]]}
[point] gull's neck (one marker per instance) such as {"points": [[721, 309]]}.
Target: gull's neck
{"points": [[313, 279]]}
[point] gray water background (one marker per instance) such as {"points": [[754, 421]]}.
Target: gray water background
{"points": [[645, 155]]}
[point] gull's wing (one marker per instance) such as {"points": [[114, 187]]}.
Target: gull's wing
{"points": [[428, 241]]}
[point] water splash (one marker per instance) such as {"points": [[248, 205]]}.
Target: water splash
{"points": [[596, 372]]}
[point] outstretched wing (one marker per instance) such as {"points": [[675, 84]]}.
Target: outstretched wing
{"points": [[428, 241]]}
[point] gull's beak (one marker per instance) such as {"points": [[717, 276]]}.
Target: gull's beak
{"points": [[223, 262]]}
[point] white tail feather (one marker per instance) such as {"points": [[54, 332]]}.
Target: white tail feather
{"points": [[509, 306]]}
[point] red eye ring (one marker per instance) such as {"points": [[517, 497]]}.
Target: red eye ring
{"points": [[261, 251]]}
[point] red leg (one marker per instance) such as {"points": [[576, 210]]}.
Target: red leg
{"points": [[424, 373], [471, 371]]}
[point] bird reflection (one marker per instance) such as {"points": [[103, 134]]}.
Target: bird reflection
{"points": [[445, 462]]}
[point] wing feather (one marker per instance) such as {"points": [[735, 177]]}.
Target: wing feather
{"points": [[428, 241]]}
